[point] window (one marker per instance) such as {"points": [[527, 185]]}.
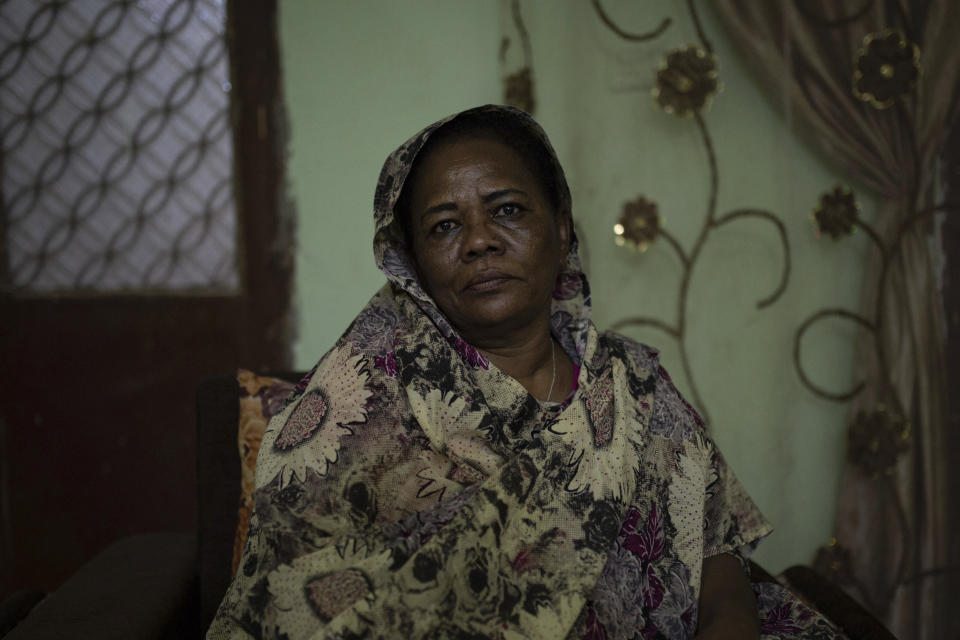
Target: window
{"points": [[117, 147]]}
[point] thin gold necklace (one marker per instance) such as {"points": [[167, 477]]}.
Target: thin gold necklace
{"points": [[553, 358]]}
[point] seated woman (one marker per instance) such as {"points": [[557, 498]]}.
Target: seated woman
{"points": [[473, 459]]}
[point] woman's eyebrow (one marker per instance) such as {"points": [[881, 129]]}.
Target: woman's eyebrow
{"points": [[450, 206], [437, 208], [493, 195]]}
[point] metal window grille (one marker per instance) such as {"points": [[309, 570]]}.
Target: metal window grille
{"points": [[117, 149]]}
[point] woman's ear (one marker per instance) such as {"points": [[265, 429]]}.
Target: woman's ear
{"points": [[565, 230]]}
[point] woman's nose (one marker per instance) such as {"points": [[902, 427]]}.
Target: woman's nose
{"points": [[481, 237]]}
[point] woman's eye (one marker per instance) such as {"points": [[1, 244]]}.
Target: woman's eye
{"points": [[443, 226], [508, 209]]}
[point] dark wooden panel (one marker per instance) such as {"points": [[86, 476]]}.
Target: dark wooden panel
{"points": [[97, 393]]}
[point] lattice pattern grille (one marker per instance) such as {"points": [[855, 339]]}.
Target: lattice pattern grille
{"points": [[117, 146]]}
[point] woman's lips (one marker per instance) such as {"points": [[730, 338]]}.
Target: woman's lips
{"points": [[487, 281]]}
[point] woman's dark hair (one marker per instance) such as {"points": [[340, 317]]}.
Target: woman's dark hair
{"points": [[509, 128]]}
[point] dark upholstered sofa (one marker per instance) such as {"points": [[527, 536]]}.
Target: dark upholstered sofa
{"points": [[168, 585]]}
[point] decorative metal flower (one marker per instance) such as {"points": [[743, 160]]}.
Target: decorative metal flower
{"points": [[835, 562], [686, 81], [518, 90], [836, 213], [886, 67], [876, 439], [639, 224]]}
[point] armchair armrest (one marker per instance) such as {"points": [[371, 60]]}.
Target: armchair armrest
{"points": [[833, 602], [143, 586], [15, 608]]}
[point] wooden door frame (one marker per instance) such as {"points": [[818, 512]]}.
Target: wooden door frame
{"points": [[97, 392]]}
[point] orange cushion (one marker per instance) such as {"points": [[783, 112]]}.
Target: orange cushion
{"points": [[260, 398]]}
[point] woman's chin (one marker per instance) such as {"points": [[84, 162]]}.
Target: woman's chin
{"points": [[496, 321]]}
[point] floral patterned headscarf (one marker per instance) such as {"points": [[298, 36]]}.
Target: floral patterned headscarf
{"points": [[409, 488]]}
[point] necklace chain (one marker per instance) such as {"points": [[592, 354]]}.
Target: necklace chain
{"points": [[553, 358]]}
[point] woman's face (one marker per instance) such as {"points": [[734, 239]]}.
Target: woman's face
{"points": [[487, 244]]}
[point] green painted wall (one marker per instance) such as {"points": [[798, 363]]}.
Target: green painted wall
{"points": [[360, 77]]}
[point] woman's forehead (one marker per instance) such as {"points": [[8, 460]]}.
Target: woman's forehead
{"points": [[471, 158], [480, 164]]}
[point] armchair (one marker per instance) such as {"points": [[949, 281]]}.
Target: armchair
{"points": [[168, 585]]}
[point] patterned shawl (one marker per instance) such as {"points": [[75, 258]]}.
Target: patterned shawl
{"points": [[408, 488]]}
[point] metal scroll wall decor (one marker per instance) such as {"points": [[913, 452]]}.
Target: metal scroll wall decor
{"points": [[885, 71], [684, 86], [518, 85]]}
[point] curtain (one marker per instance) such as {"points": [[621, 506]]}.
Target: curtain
{"points": [[894, 521]]}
